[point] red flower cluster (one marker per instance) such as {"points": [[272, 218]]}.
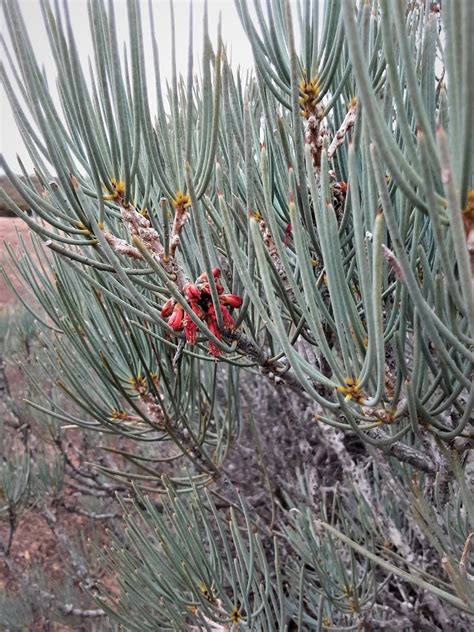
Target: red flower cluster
{"points": [[198, 296]]}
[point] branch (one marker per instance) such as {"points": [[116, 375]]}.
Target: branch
{"points": [[90, 514], [347, 123], [405, 453], [122, 247], [274, 370], [68, 609], [279, 372]]}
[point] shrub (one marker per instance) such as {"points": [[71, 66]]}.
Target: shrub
{"points": [[260, 291]]}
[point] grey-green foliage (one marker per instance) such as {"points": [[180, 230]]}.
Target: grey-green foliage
{"points": [[333, 188]]}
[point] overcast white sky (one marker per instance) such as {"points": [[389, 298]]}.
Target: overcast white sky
{"points": [[233, 34]]}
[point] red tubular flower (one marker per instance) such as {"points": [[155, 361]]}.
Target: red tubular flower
{"points": [[198, 297], [214, 349], [197, 309], [190, 330], [212, 324], [176, 319], [167, 308], [229, 322], [192, 292], [232, 300], [203, 281], [205, 288], [211, 313]]}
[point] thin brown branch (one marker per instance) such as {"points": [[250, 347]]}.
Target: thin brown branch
{"points": [[405, 453]]}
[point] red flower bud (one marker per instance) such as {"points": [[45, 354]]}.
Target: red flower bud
{"points": [[216, 273], [167, 308], [231, 299], [176, 319]]}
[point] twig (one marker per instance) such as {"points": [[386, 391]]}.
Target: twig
{"points": [[89, 514], [347, 123], [122, 247], [277, 370], [405, 453], [69, 609]]}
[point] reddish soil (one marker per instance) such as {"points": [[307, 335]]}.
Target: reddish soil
{"points": [[34, 545]]}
